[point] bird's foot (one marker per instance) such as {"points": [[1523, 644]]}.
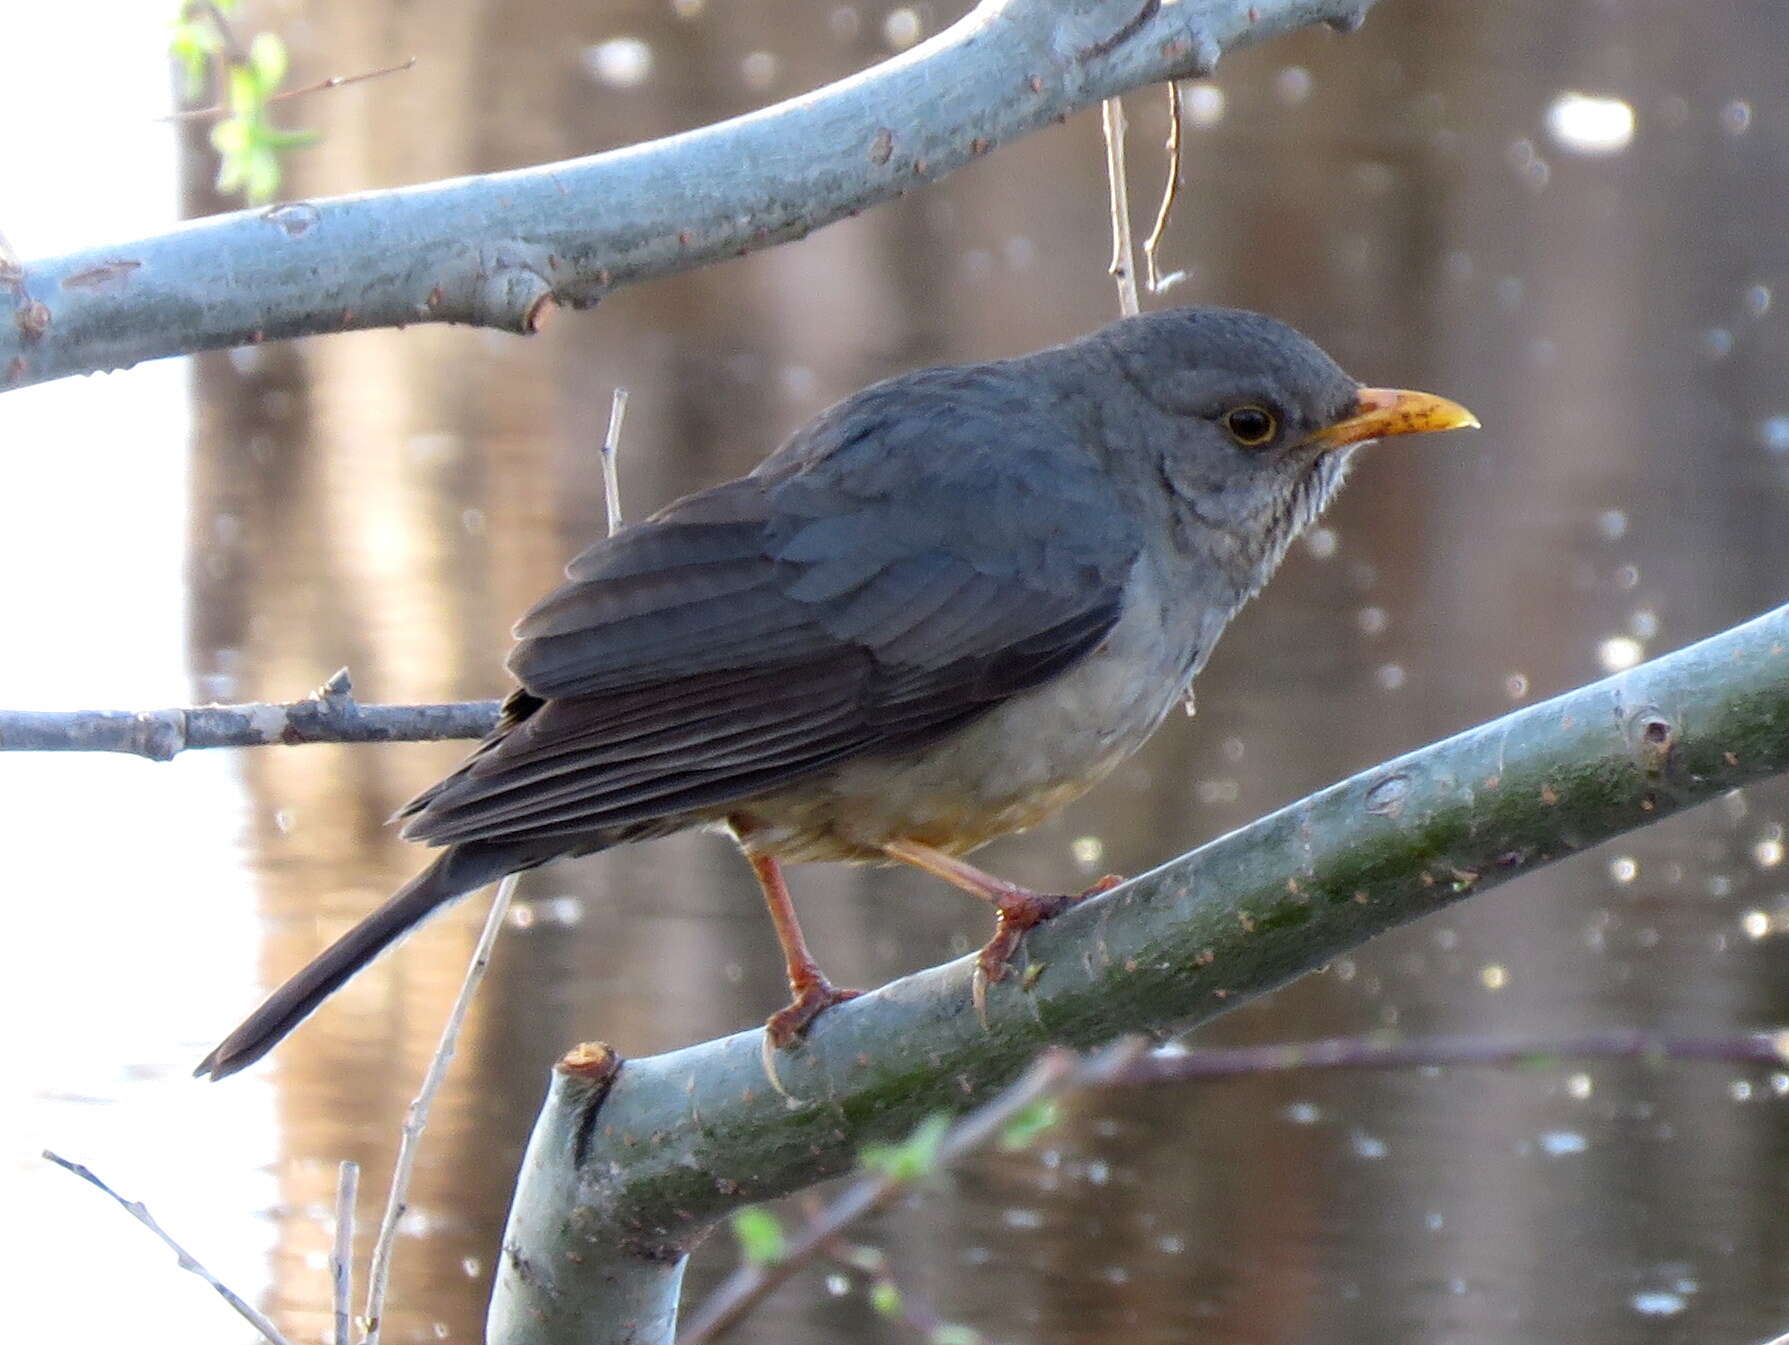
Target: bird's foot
{"points": [[791, 1022], [1015, 914]]}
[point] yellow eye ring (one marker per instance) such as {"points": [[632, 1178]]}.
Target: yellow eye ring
{"points": [[1251, 426]]}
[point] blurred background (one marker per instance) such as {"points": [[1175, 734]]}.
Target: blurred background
{"points": [[1569, 214]]}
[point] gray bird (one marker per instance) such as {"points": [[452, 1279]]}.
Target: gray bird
{"points": [[942, 610]]}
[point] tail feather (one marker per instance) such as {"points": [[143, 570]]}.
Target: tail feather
{"points": [[457, 871]]}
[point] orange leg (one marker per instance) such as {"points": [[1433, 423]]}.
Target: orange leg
{"points": [[809, 990], [1016, 909]]}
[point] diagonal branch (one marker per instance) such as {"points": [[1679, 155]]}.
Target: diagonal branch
{"points": [[630, 1163], [503, 250]]}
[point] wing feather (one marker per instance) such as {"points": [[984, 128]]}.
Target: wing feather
{"points": [[917, 556]]}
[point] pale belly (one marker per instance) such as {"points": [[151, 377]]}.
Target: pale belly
{"points": [[1007, 771]]}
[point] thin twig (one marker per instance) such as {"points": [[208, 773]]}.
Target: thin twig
{"points": [[1053, 1073], [611, 451], [1159, 283], [416, 1119], [138, 1211], [341, 1256], [333, 82], [911, 1307], [1178, 1065], [1124, 263]]}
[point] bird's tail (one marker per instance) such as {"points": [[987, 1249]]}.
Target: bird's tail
{"points": [[458, 870]]}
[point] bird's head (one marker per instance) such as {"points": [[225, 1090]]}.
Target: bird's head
{"points": [[1249, 426]]}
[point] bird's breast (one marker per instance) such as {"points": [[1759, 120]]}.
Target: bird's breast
{"points": [[1009, 769]]}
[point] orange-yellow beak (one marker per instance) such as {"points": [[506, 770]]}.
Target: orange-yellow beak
{"points": [[1380, 413]]}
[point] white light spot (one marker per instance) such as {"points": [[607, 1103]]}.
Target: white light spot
{"points": [[1203, 104], [1757, 300], [1292, 85], [1579, 1087], [1717, 343], [759, 69], [1657, 1303], [1515, 686], [1740, 1090], [1583, 123], [1088, 851], [1612, 523], [1020, 252], [1624, 869], [1322, 542], [1390, 677], [1768, 853], [1372, 620], [838, 1285], [901, 29], [1303, 1113], [619, 63], [844, 23], [1556, 1143], [1218, 791], [1773, 433], [1643, 623], [688, 9], [1619, 652], [1755, 924], [1493, 977], [1367, 1146], [798, 382], [1736, 117]]}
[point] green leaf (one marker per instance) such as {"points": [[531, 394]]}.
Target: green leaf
{"points": [[760, 1235], [261, 175], [913, 1157], [1040, 1116], [267, 58]]}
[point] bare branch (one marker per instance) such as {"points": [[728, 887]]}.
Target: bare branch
{"points": [[504, 250], [333, 82], [1159, 283], [1123, 268], [611, 452], [341, 1255], [417, 1118], [1391, 1051], [329, 715], [140, 1212]]}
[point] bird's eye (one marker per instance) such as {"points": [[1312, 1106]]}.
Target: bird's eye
{"points": [[1250, 426]]}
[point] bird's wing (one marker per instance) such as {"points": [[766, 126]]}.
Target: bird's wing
{"points": [[870, 592]]}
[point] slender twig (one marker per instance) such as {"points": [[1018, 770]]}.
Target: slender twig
{"points": [[1159, 283], [416, 1119], [611, 451], [1130, 1066], [341, 1255], [1053, 1073], [333, 82], [1178, 1065], [138, 1211], [911, 1307], [1124, 263]]}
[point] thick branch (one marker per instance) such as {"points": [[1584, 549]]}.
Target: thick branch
{"points": [[626, 1169], [503, 249]]}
